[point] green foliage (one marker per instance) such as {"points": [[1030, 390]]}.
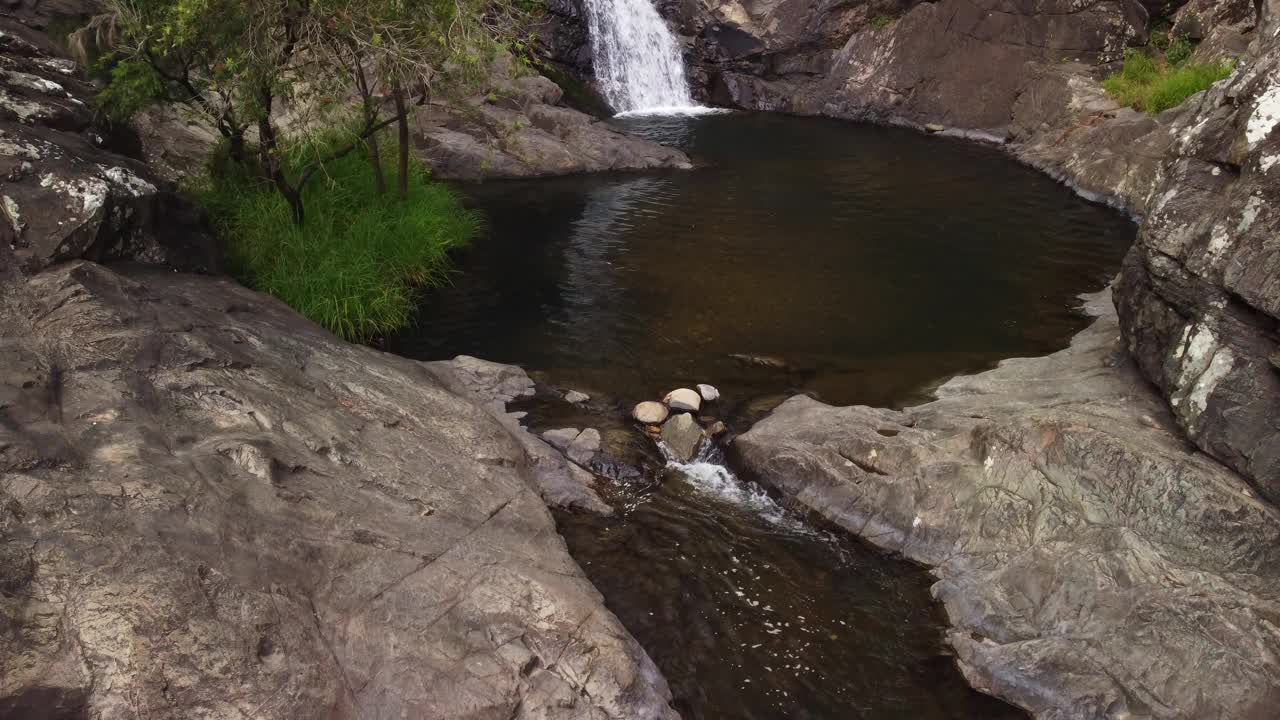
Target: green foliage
{"points": [[354, 268], [1178, 50], [881, 21], [1182, 82], [132, 86], [1156, 84]]}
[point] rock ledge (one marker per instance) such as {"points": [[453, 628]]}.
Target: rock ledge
{"points": [[1092, 563]]}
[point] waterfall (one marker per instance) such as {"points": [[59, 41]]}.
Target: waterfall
{"points": [[637, 59]]}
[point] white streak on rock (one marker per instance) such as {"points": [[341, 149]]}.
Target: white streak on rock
{"points": [[128, 180], [15, 218], [90, 194], [1266, 114]]}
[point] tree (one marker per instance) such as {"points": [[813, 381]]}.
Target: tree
{"points": [[236, 62]]}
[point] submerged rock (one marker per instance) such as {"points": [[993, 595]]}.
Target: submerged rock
{"points": [[576, 398], [650, 413], [584, 447], [578, 446], [1087, 559], [683, 400], [682, 436], [761, 361], [561, 438]]}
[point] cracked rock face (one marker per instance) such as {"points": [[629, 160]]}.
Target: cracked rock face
{"points": [[960, 63], [1091, 563], [211, 508], [1200, 292], [63, 193]]}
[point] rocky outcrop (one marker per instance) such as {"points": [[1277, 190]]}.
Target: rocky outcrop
{"points": [[1199, 296], [1091, 563], [64, 192], [960, 63], [210, 507], [518, 128], [1098, 519], [1199, 302], [563, 37]]}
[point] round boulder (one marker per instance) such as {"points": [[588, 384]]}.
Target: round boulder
{"points": [[683, 400], [709, 393], [650, 413]]}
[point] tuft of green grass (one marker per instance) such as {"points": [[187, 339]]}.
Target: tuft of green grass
{"points": [[357, 263], [1156, 84], [881, 22]]}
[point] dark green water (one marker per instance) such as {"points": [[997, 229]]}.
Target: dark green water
{"points": [[869, 264]]}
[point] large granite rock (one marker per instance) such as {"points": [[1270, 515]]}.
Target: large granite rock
{"points": [[1092, 564], [960, 63], [518, 128], [210, 507], [64, 193], [1199, 296]]}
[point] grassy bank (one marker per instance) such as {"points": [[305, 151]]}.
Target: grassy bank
{"points": [[1156, 83], [356, 264]]}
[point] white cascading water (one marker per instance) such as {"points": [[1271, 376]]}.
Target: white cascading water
{"points": [[637, 59]]}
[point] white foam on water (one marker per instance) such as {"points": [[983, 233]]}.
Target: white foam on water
{"points": [[708, 475], [673, 111]]}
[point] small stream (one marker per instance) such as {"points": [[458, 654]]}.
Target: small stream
{"points": [[856, 264]]}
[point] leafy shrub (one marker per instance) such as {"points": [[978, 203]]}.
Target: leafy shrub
{"points": [[1178, 50], [881, 21], [1153, 86], [356, 264]]}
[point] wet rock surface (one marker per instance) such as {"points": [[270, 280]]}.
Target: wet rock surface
{"points": [[209, 506], [682, 436], [1092, 564]]}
